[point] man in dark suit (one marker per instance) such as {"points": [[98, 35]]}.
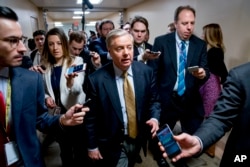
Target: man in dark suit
{"points": [[22, 108], [139, 29], [99, 44], [109, 140], [181, 47], [231, 112]]}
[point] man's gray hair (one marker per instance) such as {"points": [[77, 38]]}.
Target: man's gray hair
{"points": [[116, 33]]}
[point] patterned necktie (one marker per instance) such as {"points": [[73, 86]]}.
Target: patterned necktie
{"points": [[130, 107], [182, 63]]}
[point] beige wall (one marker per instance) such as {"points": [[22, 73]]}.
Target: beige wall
{"points": [[232, 15], [25, 10]]}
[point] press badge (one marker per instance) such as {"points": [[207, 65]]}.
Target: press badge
{"points": [[11, 152]]}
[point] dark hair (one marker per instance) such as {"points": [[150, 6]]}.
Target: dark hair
{"points": [[105, 22], [8, 13], [31, 44], [77, 36], [39, 32], [181, 8], [139, 19]]}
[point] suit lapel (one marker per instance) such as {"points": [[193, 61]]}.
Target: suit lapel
{"points": [[111, 89], [191, 51], [171, 43], [138, 81], [16, 95]]}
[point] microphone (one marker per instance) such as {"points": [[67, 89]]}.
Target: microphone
{"points": [[89, 5]]}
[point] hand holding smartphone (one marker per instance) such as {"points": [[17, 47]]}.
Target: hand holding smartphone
{"points": [[165, 136], [78, 68], [86, 104]]}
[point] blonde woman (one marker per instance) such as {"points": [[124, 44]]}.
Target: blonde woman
{"points": [[210, 91]]}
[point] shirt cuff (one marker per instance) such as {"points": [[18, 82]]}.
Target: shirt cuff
{"points": [[201, 144]]}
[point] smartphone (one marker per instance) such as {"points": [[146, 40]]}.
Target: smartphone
{"points": [[165, 136], [152, 52], [86, 104], [43, 67], [78, 68], [193, 68]]}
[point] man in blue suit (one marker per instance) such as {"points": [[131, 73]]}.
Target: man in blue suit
{"points": [[109, 140], [185, 106], [99, 44], [23, 109]]}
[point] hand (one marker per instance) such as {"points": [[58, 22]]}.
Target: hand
{"points": [[95, 154], [70, 78], [37, 68], [50, 103], [190, 146], [200, 74], [71, 118], [95, 59], [154, 126]]}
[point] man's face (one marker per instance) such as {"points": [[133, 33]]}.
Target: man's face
{"points": [[121, 51], [55, 46], [11, 48], [106, 28], [127, 27], [76, 48], [185, 24], [139, 32], [39, 40]]}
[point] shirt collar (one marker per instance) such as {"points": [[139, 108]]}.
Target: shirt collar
{"points": [[119, 72], [178, 40]]}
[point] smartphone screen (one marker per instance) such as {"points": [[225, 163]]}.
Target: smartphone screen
{"points": [[77, 68], [165, 136]]}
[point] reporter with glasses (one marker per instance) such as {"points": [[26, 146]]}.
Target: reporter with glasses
{"points": [[22, 108]]}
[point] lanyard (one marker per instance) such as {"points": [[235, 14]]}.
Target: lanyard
{"points": [[8, 103]]}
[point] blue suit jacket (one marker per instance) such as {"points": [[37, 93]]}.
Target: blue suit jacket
{"points": [[28, 113], [104, 121], [99, 46], [166, 70], [232, 111]]}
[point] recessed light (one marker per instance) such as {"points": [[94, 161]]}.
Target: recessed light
{"points": [[81, 12], [94, 2]]}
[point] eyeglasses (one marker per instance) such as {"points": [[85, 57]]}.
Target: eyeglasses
{"points": [[14, 41]]}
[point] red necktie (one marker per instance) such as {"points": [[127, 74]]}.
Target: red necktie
{"points": [[2, 124]]}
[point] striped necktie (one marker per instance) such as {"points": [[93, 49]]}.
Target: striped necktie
{"points": [[182, 63]]}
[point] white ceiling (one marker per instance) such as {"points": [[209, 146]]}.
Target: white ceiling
{"points": [[62, 10]]}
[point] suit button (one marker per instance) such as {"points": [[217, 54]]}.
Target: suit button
{"points": [[121, 144], [122, 130]]}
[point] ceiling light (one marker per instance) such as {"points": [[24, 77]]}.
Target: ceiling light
{"points": [[94, 2], [77, 17], [58, 24], [81, 12]]}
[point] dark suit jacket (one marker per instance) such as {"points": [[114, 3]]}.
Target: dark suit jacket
{"points": [[166, 70], [104, 121], [232, 110], [99, 46], [28, 113], [136, 52]]}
